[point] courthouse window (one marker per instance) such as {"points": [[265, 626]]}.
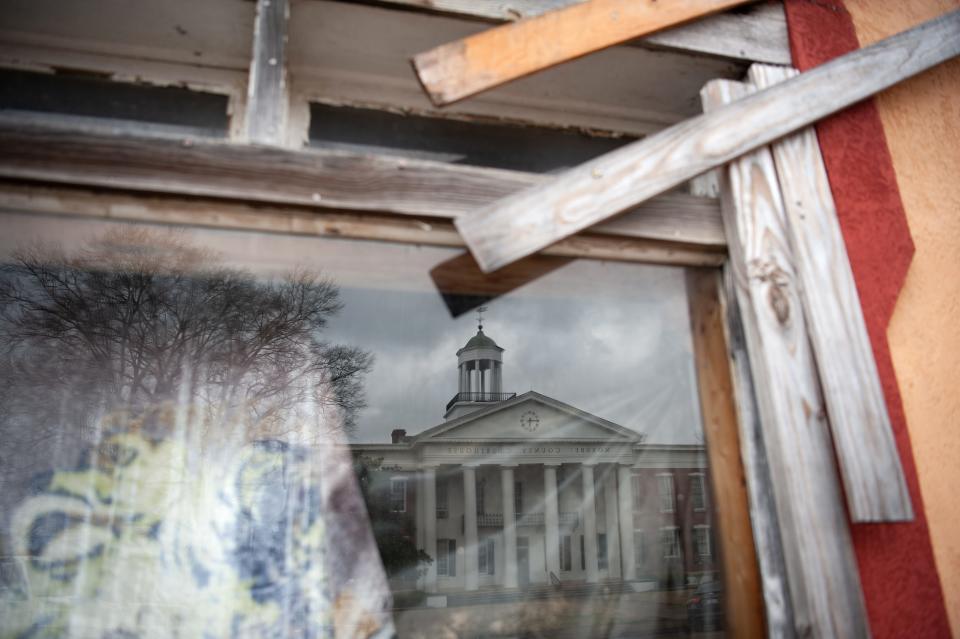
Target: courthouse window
{"points": [[487, 558], [698, 494], [442, 508], [447, 557], [398, 495], [670, 542], [639, 549], [665, 484], [701, 537]]}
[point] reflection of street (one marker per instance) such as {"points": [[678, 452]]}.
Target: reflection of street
{"points": [[610, 615]]}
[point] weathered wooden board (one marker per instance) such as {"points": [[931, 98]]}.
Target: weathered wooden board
{"points": [[821, 566], [46, 151], [753, 451], [298, 220], [741, 577], [267, 91], [870, 465], [757, 33], [462, 68], [530, 220]]}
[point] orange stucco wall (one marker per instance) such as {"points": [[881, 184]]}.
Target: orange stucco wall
{"points": [[921, 119]]}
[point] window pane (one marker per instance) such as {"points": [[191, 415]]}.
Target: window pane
{"points": [[205, 425]]}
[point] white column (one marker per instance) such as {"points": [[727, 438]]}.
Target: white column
{"points": [[551, 517], [613, 529], [589, 514], [625, 500], [419, 489], [509, 529], [470, 546], [430, 525]]}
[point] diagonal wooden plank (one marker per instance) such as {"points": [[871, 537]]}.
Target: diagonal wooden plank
{"points": [[821, 565], [482, 61], [528, 221], [862, 435]]}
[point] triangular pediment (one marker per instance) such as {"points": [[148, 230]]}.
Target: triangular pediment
{"points": [[530, 417]]}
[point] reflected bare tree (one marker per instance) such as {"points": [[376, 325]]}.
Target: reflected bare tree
{"points": [[141, 318]]}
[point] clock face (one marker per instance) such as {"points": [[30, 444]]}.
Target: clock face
{"points": [[529, 421]]}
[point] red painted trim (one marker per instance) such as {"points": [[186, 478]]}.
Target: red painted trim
{"points": [[897, 568]]}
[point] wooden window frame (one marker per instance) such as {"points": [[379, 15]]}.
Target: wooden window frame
{"points": [[50, 168]]}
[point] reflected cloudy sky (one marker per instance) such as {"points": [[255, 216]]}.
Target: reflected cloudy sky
{"points": [[609, 338]]}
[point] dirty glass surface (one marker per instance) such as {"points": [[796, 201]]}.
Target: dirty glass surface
{"points": [[209, 433]]}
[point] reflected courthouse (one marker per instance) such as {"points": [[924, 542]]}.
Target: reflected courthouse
{"points": [[526, 492]]}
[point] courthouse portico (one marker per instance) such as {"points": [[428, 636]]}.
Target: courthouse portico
{"points": [[517, 489]]}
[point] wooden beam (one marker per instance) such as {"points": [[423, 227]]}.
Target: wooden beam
{"points": [[757, 33], [740, 574], [297, 220], [863, 437], [488, 59], [528, 221], [267, 91], [35, 150], [821, 565]]}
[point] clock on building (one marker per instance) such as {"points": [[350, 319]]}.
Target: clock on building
{"points": [[529, 421]]}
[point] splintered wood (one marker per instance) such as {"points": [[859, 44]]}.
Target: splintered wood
{"points": [[530, 220], [465, 67]]}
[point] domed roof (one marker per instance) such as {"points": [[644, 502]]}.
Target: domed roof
{"points": [[479, 342]]}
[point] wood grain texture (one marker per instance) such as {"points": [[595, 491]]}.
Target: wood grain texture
{"points": [[821, 566], [488, 59], [862, 435], [31, 149], [267, 95], [767, 538], [741, 578], [71, 201], [756, 34], [530, 220]]}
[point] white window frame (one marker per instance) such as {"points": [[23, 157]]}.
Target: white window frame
{"points": [[394, 482], [674, 542], [701, 480], [639, 548], [668, 498], [442, 498], [636, 488], [446, 557], [701, 533]]}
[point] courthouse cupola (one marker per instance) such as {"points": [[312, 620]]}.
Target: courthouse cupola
{"points": [[480, 370]]}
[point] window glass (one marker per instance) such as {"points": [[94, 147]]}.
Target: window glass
{"points": [[89, 100], [224, 433], [508, 146]]}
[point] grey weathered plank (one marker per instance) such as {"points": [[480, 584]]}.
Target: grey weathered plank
{"points": [[863, 438], [821, 566], [267, 96], [70, 201], [756, 466], [528, 221], [755, 34], [45, 151]]}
